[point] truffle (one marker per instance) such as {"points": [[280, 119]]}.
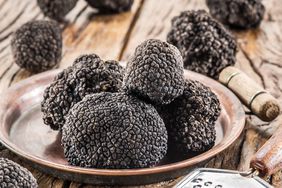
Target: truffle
{"points": [[206, 46], [190, 119], [155, 72], [111, 6], [242, 14], [88, 74], [37, 45], [114, 130], [14, 175], [56, 9]]}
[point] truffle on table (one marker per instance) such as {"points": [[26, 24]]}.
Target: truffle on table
{"points": [[88, 74], [56, 9], [155, 72], [237, 13], [205, 45], [37, 45], [190, 119], [113, 130], [111, 6], [14, 175]]}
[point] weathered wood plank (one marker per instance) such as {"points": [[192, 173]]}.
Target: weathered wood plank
{"points": [[116, 36]]}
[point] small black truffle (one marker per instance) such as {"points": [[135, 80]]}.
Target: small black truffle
{"points": [[56, 9], [37, 45], [155, 72], [111, 6], [190, 119], [206, 46], [114, 130], [14, 175], [88, 74], [242, 14]]}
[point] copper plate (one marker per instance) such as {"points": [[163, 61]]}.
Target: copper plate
{"points": [[23, 132]]}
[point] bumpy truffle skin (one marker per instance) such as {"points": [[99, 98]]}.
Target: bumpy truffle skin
{"points": [[114, 130], [14, 175], [88, 74], [155, 72], [242, 14], [190, 119], [205, 45], [56, 9], [111, 6], [37, 45]]}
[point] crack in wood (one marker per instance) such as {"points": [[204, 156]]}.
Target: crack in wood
{"points": [[252, 63], [130, 29], [14, 20]]}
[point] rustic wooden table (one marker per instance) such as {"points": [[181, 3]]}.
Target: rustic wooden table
{"points": [[116, 36]]}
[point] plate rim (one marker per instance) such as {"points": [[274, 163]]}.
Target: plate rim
{"points": [[236, 132]]}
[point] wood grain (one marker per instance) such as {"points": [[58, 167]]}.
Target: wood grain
{"points": [[116, 36]]}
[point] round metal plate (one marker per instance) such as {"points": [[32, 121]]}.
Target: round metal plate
{"points": [[22, 131]]}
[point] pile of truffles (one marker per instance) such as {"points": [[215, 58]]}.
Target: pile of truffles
{"points": [[115, 118], [205, 45], [242, 14], [14, 175]]}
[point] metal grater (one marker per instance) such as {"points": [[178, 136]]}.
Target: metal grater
{"points": [[217, 178]]}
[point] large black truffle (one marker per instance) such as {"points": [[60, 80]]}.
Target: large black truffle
{"points": [[88, 74], [37, 45], [114, 130], [111, 6], [155, 72], [206, 46], [237, 13], [14, 175], [190, 119], [56, 9]]}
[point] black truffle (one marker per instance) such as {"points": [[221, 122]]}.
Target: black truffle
{"points": [[205, 45], [114, 130], [37, 45], [155, 72], [88, 74], [56, 9], [14, 175], [242, 14], [111, 6], [190, 119]]}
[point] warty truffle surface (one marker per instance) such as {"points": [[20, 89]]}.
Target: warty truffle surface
{"points": [[88, 74], [205, 45], [14, 175], [190, 119], [37, 45], [56, 9], [242, 14], [114, 130], [155, 72]]}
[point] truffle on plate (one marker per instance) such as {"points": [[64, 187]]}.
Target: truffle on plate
{"points": [[205, 45], [37, 45], [111, 6], [190, 119], [14, 175], [88, 74], [56, 9], [237, 13], [155, 72], [113, 130]]}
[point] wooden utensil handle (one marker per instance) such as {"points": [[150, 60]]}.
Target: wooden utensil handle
{"points": [[268, 159], [259, 101]]}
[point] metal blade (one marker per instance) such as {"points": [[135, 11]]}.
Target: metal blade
{"points": [[217, 178]]}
